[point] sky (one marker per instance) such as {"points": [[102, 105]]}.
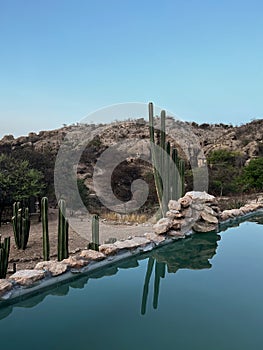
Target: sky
{"points": [[60, 60]]}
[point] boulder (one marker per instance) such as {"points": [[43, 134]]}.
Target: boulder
{"points": [[176, 234], [153, 237], [174, 205], [177, 224], [108, 249], [197, 206], [5, 286], [224, 216], [185, 201], [187, 212], [208, 217], [202, 226], [201, 197], [133, 243], [92, 255], [55, 268], [75, 262], [27, 277], [162, 226], [172, 213]]}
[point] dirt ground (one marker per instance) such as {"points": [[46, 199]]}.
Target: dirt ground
{"points": [[79, 237]]}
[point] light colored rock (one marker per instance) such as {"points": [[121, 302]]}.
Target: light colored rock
{"points": [[133, 243], [5, 286], [187, 212], [27, 277], [153, 237], [236, 212], [162, 226], [197, 206], [177, 224], [208, 217], [176, 234], [224, 216], [201, 197], [174, 205], [92, 255], [209, 210], [185, 201], [75, 262], [204, 227], [172, 213], [108, 249], [56, 268]]}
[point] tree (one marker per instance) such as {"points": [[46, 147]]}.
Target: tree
{"points": [[18, 182], [225, 167], [252, 175]]}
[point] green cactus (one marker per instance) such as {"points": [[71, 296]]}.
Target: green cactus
{"points": [[44, 216], [95, 233], [4, 256], [21, 225], [182, 176], [63, 228], [168, 169], [155, 160]]}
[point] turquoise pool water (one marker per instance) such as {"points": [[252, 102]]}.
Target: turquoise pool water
{"points": [[200, 293]]}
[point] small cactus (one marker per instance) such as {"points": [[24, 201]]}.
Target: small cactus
{"points": [[21, 225], [63, 228], [44, 216], [95, 233], [4, 256]]}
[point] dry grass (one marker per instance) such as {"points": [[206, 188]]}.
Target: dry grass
{"points": [[125, 219]]}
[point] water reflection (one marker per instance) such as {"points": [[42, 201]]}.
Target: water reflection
{"points": [[191, 253]]}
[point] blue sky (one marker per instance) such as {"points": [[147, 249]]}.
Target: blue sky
{"points": [[61, 60]]}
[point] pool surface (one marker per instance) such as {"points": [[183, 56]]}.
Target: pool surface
{"points": [[204, 292]]}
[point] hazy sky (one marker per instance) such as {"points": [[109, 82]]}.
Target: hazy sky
{"points": [[62, 59]]}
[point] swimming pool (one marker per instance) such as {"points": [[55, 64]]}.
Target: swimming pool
{"points": [[204, 292]]}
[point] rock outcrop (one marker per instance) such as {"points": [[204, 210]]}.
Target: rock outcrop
{"points": [[196, 210]]}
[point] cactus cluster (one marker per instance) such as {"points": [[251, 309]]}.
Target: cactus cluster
{"points": [[63, 228], [95, 233], [4, 255], [21, 225], [168, 168], [44, 217]]}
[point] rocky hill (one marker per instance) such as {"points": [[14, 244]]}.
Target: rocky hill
{"points": [[131, 138], [189, 137]]}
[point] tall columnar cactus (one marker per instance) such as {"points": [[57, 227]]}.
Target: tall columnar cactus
{"points": [[44, 217], [4, 256], [168, 169], [95, 233], [21, 225], [156, 160], [182, 176], [63, 228]]}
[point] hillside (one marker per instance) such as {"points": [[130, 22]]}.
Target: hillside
{"points": [[131, 139]]}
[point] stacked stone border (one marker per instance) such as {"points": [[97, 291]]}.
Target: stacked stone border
{"points": [[195, 212]]}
